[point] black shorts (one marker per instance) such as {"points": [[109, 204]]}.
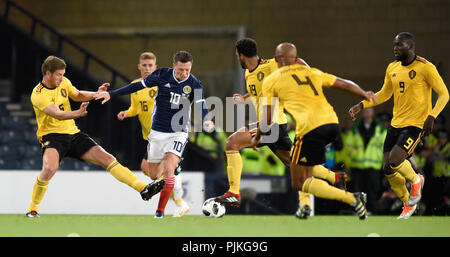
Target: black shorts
{"points": [[142, 148], [282, 142], [67, 145], [407, 138], [310, 149]]}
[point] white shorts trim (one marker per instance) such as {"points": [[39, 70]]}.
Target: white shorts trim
{"points": [[160, 143]]}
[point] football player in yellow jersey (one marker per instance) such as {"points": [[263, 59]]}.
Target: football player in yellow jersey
{"points": [[142, 105], [60, 137], [299, 90], [410, 79], [256, 70]]}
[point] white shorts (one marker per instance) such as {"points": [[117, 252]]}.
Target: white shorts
{"points": [[160, 143]]}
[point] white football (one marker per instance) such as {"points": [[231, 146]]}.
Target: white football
{"points": [[213, 209]]}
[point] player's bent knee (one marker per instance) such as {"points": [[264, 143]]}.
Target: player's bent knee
{"points": [[387, 169], [48, 170], [297, 185], [108, 159], [145, 170], [394, 162], [231, 146]]}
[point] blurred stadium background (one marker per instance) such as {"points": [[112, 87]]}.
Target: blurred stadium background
{"points": [[101, 41]]}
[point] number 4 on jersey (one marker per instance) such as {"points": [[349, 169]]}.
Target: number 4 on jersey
{"points": [[307, 82]]}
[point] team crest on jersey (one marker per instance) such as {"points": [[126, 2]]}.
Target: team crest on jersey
{"points": [[39, 88], [260, 76], [187, 90], [412, 74], [152, 93], [63, 92]]}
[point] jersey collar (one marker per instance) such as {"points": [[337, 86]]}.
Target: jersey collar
{"points": [[257, 65], [42, 83], [179, 82], [415, 57]]}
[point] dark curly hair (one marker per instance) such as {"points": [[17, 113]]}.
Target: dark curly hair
{"points": [[247, 47]]}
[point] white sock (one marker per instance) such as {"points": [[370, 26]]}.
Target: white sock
{"points": [[178, 188]]}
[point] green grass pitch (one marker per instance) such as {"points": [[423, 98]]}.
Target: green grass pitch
{"points": [[15, 225]]}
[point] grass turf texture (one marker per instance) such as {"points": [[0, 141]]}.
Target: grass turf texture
{"points": [[15, 225]]}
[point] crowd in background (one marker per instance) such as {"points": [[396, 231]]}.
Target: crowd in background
{"points": [[358, 152]]}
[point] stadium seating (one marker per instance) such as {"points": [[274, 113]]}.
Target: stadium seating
{"points": [[14, 122], [12, 137], [3, 110], [32, 163], [9, 163], [20, 149]]}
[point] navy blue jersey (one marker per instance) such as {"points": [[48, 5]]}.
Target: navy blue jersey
{"points": [[172, 108]]}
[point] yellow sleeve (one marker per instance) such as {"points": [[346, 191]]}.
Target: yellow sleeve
{"points": [[384, 94], [134, 109], [71, 88], [437, 84], [40, 101], [328, 79]]}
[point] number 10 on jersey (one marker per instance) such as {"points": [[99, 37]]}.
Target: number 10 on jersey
{"points": [[177, 146], [175, 98]]}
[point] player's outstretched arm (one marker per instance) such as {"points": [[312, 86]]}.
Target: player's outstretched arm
{"points": [[355, 110], [126, 90], [241, 99], [82, 96], [55, 112], [352, 87], [102, 95]]}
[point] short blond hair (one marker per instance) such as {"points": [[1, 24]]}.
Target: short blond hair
{"points": [[147, 55], [52, 63]]}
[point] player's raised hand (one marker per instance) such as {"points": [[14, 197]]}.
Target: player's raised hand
{"points": [[122, 115], [256, 140], [371, 97], [83, 109], [103, 87], [208, 126], [238, 99], [102, 95], [355, 110]]}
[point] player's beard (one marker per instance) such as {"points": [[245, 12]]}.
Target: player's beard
{"points": [[401, 56], [242, 64]]}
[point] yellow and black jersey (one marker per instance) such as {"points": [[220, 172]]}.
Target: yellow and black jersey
{"points": [[142, 105], [299, 90], [42, 97], [411, 87], [254, 80]]}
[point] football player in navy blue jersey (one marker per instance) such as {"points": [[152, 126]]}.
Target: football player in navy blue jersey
{"points": [[177, 90]]}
